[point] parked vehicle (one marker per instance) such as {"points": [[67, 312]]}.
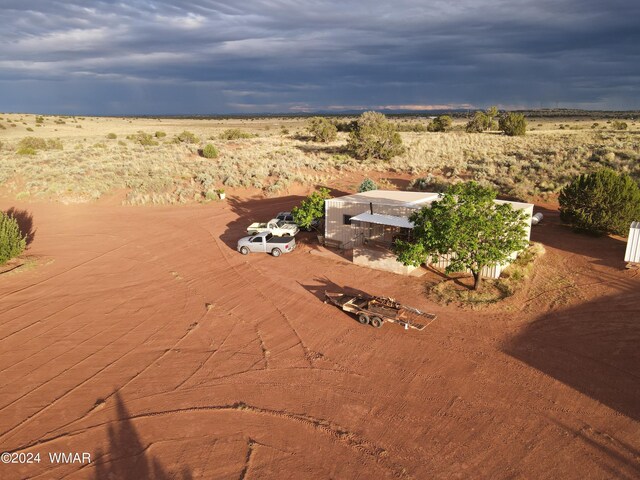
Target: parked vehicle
{"points": [[287, 217], [267, 243], [274, 226], [377, 310]]}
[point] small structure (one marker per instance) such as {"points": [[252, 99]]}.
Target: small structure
{"points": [[369, 222], [632, 254]]}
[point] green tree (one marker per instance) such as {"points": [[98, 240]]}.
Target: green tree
{"points": [[466, 223], [513, 124], [601, 202], [374, 136], [322, 130], [441, 123], [12, 242], [367, 185], [479, 123], [311, 209]]}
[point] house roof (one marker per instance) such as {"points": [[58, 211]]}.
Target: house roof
{"points": [[389, 197]]}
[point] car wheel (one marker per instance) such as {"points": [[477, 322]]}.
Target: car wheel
{"points": [[244, 250], [276, 252]]}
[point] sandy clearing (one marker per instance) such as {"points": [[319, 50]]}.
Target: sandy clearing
{"points": [[111, 348]]}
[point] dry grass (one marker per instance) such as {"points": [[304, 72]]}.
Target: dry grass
{"points": [[106, 154]]}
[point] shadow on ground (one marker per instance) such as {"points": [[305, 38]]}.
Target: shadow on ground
{"points": [[602, 250], [591, 347], [25, 222], [128, 458]]}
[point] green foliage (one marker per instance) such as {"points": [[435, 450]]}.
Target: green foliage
{"points": [[367, 185], [601, 202], [411, 127], [374, 136], [12, 242], [441, 123], [513, 124], [40, 119], [210, 151], [345, 126], [322, 130], [619, 125], [311, 209], [479, 123], [144, 139], [160, 134], [466, 223], [31, 145], [111, 136], [235, 134], [186, 137]]}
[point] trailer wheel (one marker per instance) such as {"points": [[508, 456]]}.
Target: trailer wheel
{"points": [[363, 318], [376, 322], [276, 252], [244, 250]]}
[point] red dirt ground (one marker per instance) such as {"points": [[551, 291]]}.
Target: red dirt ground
{"points": [[140, 336]]}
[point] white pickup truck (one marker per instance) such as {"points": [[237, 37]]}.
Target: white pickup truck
{"points": [[278, 228]]}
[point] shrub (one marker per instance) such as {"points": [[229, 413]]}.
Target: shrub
{"points": [[234, 134], [12, 242], [345, 126], [186, 137], [112, 136], [441, 123], [144, 139], [410, 127], [29, 129], [322, 130], [619, 125], [34, 143], [479, 123], [374, 136], [513, 124], [160, 134], [367, 185], [210, 151], [40, 119], [601, 202]]}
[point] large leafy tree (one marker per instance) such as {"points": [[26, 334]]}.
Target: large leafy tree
{"points": [[601, 202], [466, 223], [373, 136], [311, 209]]}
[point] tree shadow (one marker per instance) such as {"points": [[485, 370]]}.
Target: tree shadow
{"points": [[254, 210], [127, 457], [603, 250], [329, 149], [591, 347], [25, 222], [324, 284]]}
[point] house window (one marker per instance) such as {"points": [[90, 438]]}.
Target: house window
{"points": [[346, 219]]}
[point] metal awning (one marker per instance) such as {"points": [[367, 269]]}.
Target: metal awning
{"points": [[383, 220]]}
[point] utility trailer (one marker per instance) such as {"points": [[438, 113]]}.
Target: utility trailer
{"points": [[377, 310]]}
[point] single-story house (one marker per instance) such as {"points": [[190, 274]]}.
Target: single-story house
{"points": [[368, 223]]}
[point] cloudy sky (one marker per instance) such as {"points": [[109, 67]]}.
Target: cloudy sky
{"points": [[244, 56]]}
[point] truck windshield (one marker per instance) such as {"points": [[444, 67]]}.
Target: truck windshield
{"points": [[268, 237]]}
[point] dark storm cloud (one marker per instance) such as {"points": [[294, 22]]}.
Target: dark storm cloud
{"points": [[258, 55]]}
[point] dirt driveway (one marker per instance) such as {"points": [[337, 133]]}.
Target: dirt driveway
{"points": [[142, 338]]}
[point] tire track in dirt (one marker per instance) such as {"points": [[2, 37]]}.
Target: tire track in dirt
{"points": [[338, 434]]}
